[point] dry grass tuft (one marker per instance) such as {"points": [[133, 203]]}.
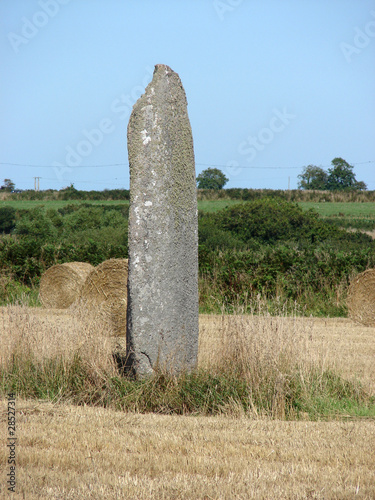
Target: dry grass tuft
{"points": [[263, 350], [55, 334], [60, 285], [276, 341], [104, 295], [361, 298]]}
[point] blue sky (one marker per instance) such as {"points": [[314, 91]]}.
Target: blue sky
{"points": [[272, 86]]}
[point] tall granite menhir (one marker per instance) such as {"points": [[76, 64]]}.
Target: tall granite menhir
{"points": [[162, 317]]}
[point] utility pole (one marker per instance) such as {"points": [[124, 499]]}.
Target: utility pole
{"points": [[36, 184]]}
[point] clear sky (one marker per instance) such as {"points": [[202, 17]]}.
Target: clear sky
{"points": [[272, 86]]}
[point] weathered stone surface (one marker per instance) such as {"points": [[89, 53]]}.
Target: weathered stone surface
{"points": [[162, 317]]}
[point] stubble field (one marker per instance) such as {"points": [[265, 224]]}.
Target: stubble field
{"points": [[66, 451]]}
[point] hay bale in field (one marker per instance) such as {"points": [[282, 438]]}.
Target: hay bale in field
{"points": [[361, 298], [60, 285], [104, 294]]}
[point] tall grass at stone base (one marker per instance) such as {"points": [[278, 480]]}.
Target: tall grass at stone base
{"points": [[256, 365]]}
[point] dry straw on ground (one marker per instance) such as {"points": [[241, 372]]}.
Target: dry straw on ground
{"points": [[104, 294], [361, 298], [79, 453], [60, 285]]}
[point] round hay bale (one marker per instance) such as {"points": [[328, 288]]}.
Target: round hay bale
{"points": [[361, 298], [60, 285], [104, 294]]}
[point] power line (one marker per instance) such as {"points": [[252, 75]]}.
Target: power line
{"points": [[57, 166], [274, 168], [200, 164], [85, 181], [241, 166]]}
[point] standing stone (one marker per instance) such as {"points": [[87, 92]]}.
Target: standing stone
{"points": [[162, 317]]}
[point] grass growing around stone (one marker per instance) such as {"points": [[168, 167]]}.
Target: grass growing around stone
{"points": [[202, 393], [249, 365], [280, 407]]}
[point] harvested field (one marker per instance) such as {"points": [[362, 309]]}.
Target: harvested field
{"points": [[67, 452]]}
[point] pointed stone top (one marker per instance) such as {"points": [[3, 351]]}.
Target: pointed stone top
{"points": [[161, 67], [166, 84]]}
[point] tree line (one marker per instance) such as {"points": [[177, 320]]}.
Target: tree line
{"points": [[340, 177]]}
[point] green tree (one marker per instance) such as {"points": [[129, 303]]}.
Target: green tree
{"points": [[313, 177], [361, 186], [8, 185], [341, 177], [211, 178]]}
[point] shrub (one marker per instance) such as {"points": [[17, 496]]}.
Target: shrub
{"points": [[36, 224], [213, 238], [7, 219], [271, 220]]}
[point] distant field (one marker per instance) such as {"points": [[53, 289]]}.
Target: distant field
{"points": [[348, 209], [29, 204], [325, 209], [215, 205], [207, 206]]}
